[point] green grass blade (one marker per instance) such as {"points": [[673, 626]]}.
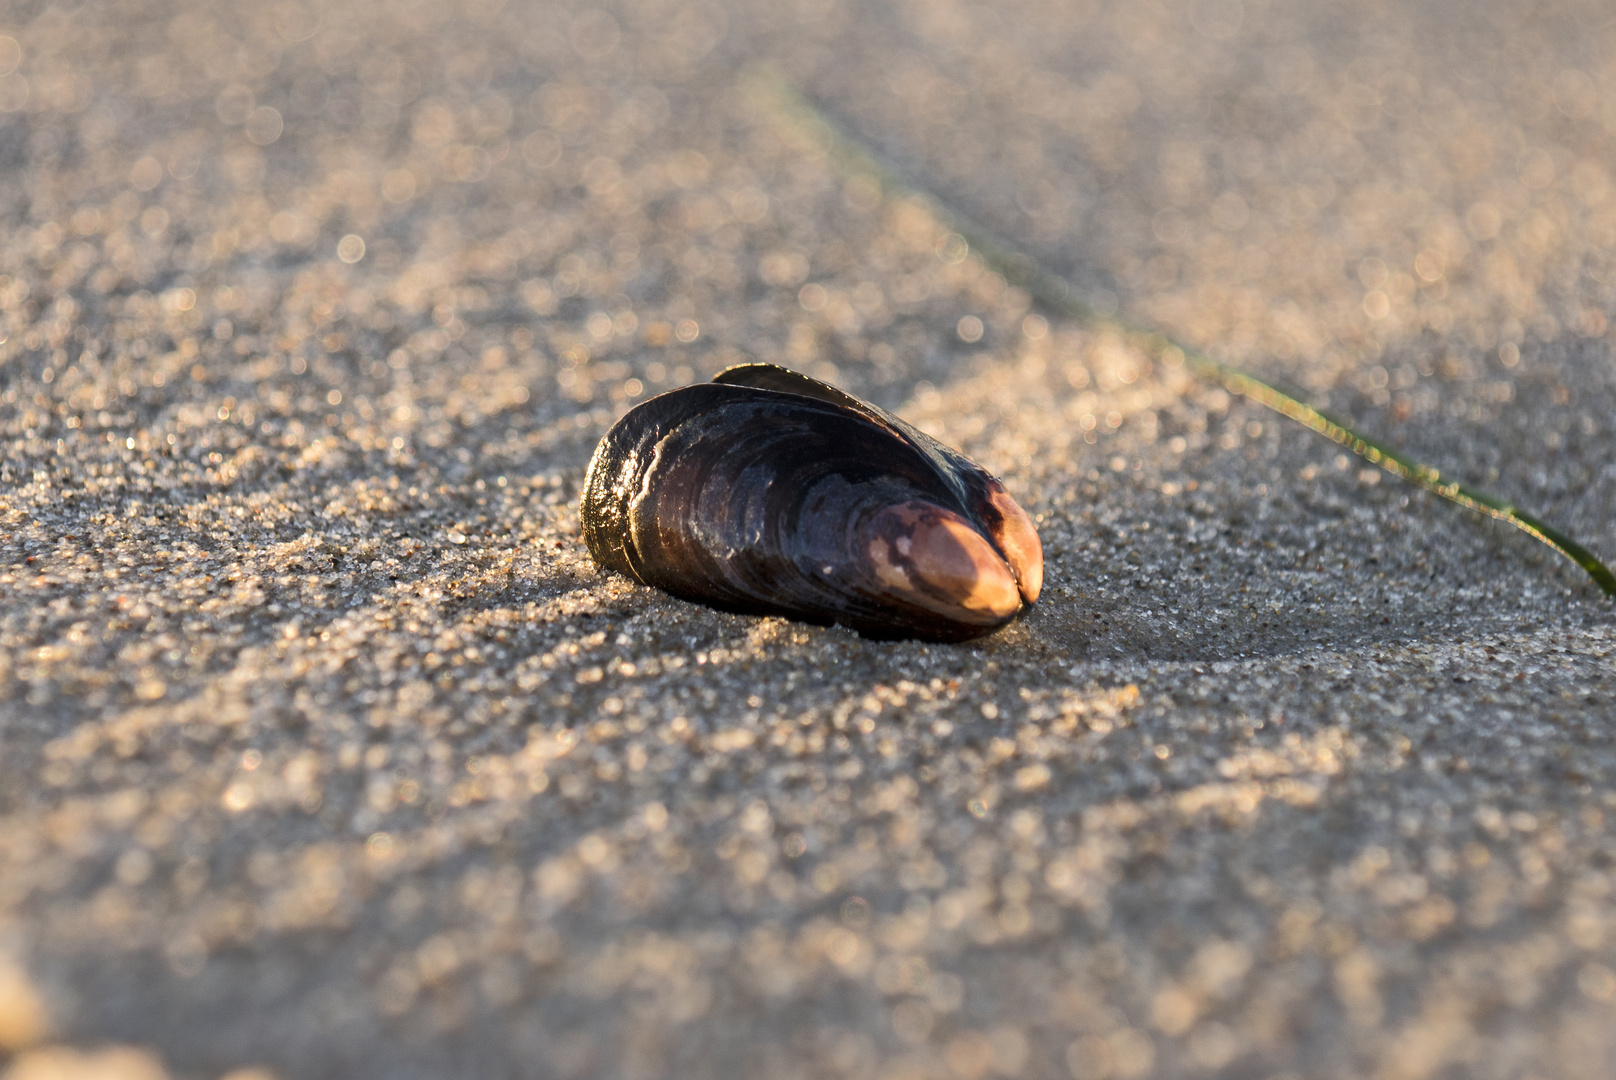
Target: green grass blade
{"points": [[1059, 296]]}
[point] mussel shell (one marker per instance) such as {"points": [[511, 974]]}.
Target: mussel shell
{"points": [[758, 492]]}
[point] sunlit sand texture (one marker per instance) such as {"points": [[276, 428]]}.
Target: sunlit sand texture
{"points": [[326, 751]]}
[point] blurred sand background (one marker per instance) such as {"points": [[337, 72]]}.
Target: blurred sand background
{"points": [[325, 751]]}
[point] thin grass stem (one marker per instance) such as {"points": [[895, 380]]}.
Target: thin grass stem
{"points": [[1059, 296]]}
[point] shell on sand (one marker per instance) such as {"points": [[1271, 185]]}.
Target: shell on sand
{"points": [[768, 492]]}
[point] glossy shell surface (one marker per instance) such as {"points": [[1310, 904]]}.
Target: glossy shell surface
{"points": [[768, 492]]}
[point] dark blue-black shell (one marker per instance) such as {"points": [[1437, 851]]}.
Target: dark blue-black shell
{"points": [[745, 494]]}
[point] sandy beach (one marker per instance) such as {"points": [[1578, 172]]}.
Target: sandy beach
{"points": [[326, 751]]}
